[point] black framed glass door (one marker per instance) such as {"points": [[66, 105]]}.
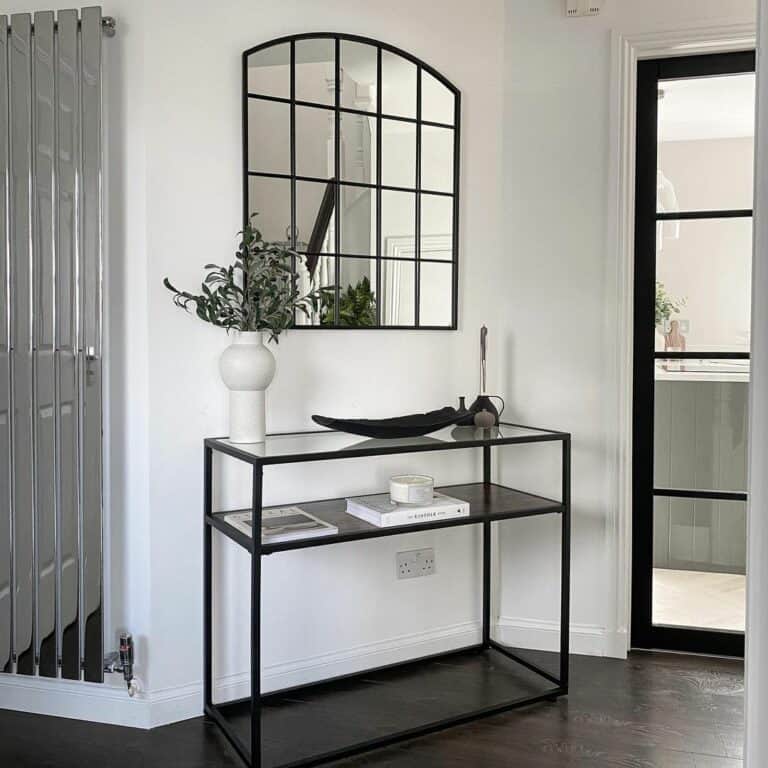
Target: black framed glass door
{"points": [[693, 255]]}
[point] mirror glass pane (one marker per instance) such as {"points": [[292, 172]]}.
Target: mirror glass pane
{"points": [[358, 76], [398, 85], [271, 199], [437, 227], [269, 71], [269, 136], [358, 148], [437, 158], [314, 216], [437, 101], [706, 143], [316, 272], [398, 154], [703, 268], [398, 292], [357, 295], [315, 145], [398, 224], [358, 220], [316, 70], [699, 563], [435, 290]]}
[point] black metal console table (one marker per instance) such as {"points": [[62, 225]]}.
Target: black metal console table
{"points": [[344, 716]]}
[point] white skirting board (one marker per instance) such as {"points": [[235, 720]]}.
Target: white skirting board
{"points": [[110, 703]]}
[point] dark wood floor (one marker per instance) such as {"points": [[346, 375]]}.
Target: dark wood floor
{"points": [[652, 711]]}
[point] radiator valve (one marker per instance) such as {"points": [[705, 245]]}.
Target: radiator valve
{"points": [[121, 661]]}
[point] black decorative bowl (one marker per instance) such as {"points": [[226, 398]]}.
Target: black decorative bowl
{"points": [[414, 425]]}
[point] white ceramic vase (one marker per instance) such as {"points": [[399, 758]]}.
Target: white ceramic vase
{"points": [[247, 368]]}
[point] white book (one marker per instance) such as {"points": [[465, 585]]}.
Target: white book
{"points": [[282, 524], [380, 511]]}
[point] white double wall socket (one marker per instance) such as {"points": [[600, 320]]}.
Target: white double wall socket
{"points": [[415, 563], [575, 8]]}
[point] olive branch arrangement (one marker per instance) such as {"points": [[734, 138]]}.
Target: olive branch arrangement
{"points": [[258, 292]]}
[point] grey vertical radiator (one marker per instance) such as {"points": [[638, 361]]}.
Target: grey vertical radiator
{"points": [[51, 580]]}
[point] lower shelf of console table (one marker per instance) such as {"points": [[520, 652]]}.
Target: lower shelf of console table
{"points": [[316, 723]]}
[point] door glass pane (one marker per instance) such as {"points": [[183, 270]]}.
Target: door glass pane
{"points": [[706, 143], [699, 563], [703, 288], [700, 424]]}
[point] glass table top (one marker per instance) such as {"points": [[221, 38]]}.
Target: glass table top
{"points": [[300, 446]]}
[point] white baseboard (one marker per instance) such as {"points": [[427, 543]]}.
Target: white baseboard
{"points": [[544, 635], [366, 656], [110, 703]]}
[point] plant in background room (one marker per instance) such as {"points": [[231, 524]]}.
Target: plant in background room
{"points": [[666, 306], [258, 294], [357, 306]]}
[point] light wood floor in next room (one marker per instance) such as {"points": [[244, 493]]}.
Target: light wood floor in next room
{"points": [[698, 599]]}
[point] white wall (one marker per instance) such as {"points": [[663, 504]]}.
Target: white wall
{"points": [[534, 266], [559, 315], [193, 198]]}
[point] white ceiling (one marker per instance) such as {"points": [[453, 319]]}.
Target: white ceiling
{"points": [[707, 108]]}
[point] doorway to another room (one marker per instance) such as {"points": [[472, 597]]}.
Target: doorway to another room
{"points": [[693, 255]]}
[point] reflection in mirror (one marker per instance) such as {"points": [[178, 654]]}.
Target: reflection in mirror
{"points": [[398, 154], [398, 85], [364, 155], [269, 133], [398, 292], [315, 129], [358, 148], [316, 70], [318, 272], [314, 216], [269, 71], [436, 227], [435, 289], [398, 224], [358, 220], [358, 76], [437, 101], [271, 199], [357, 293], [437, 158]]}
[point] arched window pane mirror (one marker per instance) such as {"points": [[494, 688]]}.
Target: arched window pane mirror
{"points": [[351, 158]]}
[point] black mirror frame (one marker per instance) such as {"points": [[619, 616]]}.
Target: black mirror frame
{"points": [[330, 205]]}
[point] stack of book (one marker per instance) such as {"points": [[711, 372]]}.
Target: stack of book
{"points": [[381, 511]]}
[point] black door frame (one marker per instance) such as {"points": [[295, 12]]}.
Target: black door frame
{"points": [[644, 633]]}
